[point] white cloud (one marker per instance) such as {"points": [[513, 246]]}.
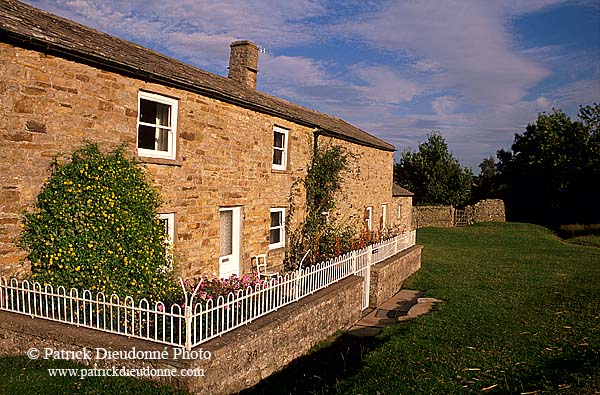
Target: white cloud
{"points": [[292, 70], [384, 85], [543, 103], [444, 105], [425, 66], [467, 39], [577, 93], [204, 50]]}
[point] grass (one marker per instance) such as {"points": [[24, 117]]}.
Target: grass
{"points": [[20, 376], [589, 240], [522, 315]]}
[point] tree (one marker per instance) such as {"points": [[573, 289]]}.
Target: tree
{"points": [[485, 185], [433, 174], [551, 172]]}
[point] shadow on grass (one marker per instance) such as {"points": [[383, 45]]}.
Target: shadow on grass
{"points": [[319, 371], [577, 370]]}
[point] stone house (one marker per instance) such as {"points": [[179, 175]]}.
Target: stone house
{"points": [[223, 154]]}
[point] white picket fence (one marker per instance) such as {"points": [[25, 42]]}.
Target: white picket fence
{"points": [[195, 322]]}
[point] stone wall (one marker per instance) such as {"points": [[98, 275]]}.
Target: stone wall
{"points": [[387, 276], [244, 357], [440, 216], [489, 210], [50, 105]]}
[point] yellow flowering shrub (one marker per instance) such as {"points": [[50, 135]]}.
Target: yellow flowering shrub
{"points": [[95, 226]]}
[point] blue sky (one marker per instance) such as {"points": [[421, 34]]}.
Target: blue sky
{"points": [[476, 70]]}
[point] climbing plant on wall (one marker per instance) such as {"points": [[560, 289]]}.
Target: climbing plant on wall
{"points": [[95, 226], [323, 184]]}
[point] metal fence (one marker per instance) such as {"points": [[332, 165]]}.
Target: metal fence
{"points": [[194, 322]]}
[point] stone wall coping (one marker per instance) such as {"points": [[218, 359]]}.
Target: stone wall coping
{"points": [[394, 258]]}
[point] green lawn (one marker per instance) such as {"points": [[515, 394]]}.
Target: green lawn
{"points": [[20, 376], [588, 240], [522, 315]]}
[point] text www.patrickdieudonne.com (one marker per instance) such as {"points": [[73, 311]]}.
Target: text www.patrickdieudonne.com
{"points": [[147, 371]]}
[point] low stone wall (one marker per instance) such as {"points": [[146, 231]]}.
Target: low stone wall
{"points": [[387, 276], [243, 357], [489, 210]]}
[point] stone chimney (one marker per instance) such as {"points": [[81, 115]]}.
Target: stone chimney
{"points": [[243, 62]]}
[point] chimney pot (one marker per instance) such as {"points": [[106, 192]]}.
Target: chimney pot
{"points": [[243, 62]]}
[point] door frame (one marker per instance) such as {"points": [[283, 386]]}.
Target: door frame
{"points": [[226, 262]]}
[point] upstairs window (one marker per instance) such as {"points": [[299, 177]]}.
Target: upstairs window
{"points": [[277, 228], [383, 216], [280, 143], [157, 126]]}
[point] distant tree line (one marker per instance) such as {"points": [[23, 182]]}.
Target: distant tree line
{"points": [[550, 176]]}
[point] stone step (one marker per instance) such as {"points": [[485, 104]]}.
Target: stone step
{"points": [[403, 306]]}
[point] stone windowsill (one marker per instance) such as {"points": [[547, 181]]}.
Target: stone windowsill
{"points": [[161, 161]]}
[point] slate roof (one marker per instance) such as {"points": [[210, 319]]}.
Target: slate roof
{"points": [[397, 190], [30, 27]]}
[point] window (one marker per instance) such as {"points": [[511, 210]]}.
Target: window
{"points": [[369, 218], [277, 228], [280, 142], [157, 126], [168, 220], [399, 211], [383, 216]]}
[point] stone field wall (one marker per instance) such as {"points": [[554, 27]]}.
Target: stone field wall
{"points": [[489, 210]]}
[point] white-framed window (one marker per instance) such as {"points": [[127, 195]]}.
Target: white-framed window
{"points": [[168, 221], [277, 228], [156, 126], [383, 216], [280, 146], [399, 211], [369, 218]]}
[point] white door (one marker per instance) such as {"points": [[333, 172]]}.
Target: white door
{"points": [[231, 225]]}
